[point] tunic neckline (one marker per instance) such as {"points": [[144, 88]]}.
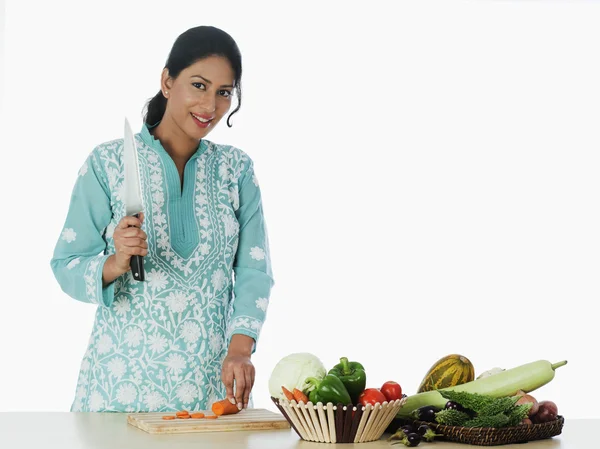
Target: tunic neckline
{"points": [[183, 224]]}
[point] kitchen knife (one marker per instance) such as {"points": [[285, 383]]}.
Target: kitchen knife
{"points": [[132, 192]]}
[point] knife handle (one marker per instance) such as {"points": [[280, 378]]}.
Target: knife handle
{"points": [[137, 264]]}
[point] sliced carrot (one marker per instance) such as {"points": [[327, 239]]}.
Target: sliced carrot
{"points": [[288, 394], [299, 396], [182, 413], [212, 416], [168, 417], [224, 407], [197, 415], [184, 417]]}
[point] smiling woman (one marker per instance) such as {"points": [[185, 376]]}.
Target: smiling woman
{"points": [[183, 339]]}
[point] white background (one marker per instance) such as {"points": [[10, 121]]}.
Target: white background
{"points": [[429, 173]]}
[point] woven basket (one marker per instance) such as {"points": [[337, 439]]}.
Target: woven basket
{"points": [[339, 423], [488, 436]]}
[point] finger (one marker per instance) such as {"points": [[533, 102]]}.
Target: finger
{"points": [[240, 386], [227, 379], [134, 251], [132, 232], [134, 242], [129, 221], [248, 389]]}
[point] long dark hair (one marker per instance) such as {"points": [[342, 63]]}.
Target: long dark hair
{"points": [[195, 44]]}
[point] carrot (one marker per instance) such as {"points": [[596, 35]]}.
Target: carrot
{"points": [[184, 417], [288, 394], [168, 417], [212, 416], [224, 407], [299, 396], [182, 413], [197, 415]]}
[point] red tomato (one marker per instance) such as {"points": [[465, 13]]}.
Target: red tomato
{"points": [[392, 390], [371, 396]]}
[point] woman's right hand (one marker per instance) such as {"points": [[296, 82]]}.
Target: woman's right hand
{"points": [[129, 241]]}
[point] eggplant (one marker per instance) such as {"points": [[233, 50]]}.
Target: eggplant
{"points": [[413, 439], [408, 429], [426, 413]]}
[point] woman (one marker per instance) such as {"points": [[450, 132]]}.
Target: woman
{"points": [[183, 338]]}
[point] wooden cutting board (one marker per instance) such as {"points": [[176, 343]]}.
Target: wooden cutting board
{"points": [[249, 419]]}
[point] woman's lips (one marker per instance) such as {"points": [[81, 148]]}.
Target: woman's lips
{"points": [[203, 121]]}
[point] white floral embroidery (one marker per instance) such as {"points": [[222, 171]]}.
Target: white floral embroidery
{"points": [[105, 344], [85, 366], [81, 393], [257, 253], [254, 179], [187, 393], [84, 169], [175, 363], [157, 279], [231, 225], [215, 341], [127, 393], [117, 367], [154, 400], [190, 331], [157, 343], [121, 305], [73, 263], [69, 235], [262, 304], [96, 401], [110, 230], [218, 279], [133, 336], [177, 302]]}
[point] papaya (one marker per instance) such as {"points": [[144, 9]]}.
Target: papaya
{"points": [[449, 371]]}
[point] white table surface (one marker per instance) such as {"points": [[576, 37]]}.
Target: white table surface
{"points": [[39, 430]]}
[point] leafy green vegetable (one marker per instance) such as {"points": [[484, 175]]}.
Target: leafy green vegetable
{"points": [[498, 420], [471, 401], [451, 417], [519, 413], [500, 405], [490, 411]]}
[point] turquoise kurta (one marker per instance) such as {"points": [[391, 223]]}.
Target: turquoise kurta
{"points": [[158, 345]]}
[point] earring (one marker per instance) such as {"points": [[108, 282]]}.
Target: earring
{"points": [[166, 93]]}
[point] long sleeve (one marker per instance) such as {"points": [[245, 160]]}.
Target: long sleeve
{"points": [[252, 264], [79, 255]]}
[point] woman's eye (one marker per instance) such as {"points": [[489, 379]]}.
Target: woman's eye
{"points": [[199, 86], [225, 93]]}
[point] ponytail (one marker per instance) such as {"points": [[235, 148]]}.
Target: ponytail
{"points": [[155, 109]]}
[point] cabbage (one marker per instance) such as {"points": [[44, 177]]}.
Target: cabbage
{"points": [[292, 371]]}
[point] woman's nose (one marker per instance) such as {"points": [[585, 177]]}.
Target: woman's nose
{"points": [[207, 102]]}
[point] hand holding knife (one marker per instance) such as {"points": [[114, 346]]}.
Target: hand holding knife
{"points": [[132, 192]]}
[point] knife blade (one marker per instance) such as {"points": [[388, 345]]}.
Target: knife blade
{"points": [[132, 196]]}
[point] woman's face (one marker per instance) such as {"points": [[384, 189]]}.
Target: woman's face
{"points": [[200, 96]]}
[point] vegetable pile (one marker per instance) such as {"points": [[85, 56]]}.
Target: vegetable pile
{"points": [[303, 378], [450, 395]]}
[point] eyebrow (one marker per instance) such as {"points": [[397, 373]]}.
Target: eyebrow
{"points": [[209, 81]]}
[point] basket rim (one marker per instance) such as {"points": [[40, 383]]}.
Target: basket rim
{"points": [[354, 407]]}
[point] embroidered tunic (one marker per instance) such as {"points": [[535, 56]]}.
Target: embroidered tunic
{"points": [[158, 345]]}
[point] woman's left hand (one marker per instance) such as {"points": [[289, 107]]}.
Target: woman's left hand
{"points": [[238, 367]]}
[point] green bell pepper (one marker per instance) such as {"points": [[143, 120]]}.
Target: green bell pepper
{"points": [[352, 375], [330, 389]]}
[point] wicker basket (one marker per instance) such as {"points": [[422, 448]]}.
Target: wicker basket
{"points": [[339, 423], [488, 436]]}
